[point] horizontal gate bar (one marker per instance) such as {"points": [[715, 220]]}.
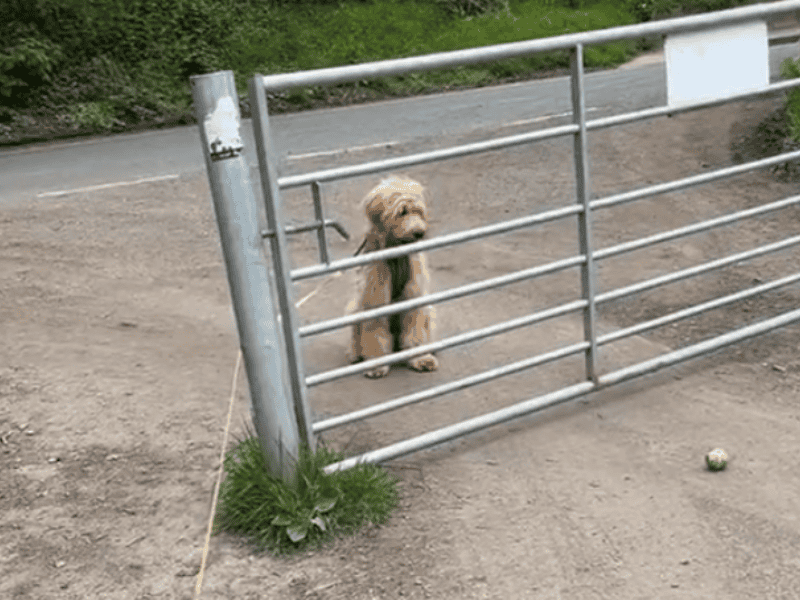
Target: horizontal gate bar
{"points": [[463, 428], [451, 386], [455, 340], [437, 297], [704, 347], [679, 184], [696, 270], [388, 164], [661, 111], [697, 309], [441, 241], [301, 179], [316, 225], [527, 407], [695, 228], [440, 60], [486, 284]]}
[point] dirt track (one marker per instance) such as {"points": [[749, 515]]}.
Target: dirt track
{"points": [[117, 358]]}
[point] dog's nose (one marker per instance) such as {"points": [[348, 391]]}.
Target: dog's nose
{"points": [[418, 234]]}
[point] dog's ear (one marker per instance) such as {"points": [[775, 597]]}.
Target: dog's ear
{"points": [[427, 198], [374, 208]]}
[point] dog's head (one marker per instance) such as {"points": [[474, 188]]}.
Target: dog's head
{"points": [[397, 208]]}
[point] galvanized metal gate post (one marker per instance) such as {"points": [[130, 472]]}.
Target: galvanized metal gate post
{"points": [[217, 110], [280, 259]]}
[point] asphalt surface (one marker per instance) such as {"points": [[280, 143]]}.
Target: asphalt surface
{"points": [[50, 169]]}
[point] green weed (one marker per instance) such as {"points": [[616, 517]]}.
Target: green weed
{"points": [[288, 518]]}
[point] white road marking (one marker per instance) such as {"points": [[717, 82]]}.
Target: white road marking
{"points": [[104, 186], [340, 151], [548, 117], [392, 144]]}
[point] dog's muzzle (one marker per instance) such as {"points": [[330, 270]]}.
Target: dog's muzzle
{"points": [[413, 237]]}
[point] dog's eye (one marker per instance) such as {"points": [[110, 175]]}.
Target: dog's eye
{"points": [[403, 211]]}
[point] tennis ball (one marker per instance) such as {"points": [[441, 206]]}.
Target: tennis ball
{"points": [[717, 459]]}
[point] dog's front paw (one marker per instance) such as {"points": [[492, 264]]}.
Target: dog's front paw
{"points": [[377, 373], [426, 362]]}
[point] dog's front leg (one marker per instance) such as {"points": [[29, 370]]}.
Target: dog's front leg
{"points": [[418, 323], [416, 332], [374, 336]]}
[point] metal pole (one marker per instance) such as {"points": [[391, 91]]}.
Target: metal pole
{"points": [[583, 193], [319, 215], [235, 206], [280, 257]]}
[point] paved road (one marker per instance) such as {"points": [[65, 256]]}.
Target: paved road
{"points": [[45, 169]]}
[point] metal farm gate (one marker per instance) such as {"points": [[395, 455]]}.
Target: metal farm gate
{"points": [[270, 335]]}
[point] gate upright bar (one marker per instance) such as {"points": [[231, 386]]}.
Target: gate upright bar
{"points": [[217, 110], [583, 195], [272, 204]]}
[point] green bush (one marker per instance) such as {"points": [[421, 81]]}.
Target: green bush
{"points": [[646, 10], [26, 65], [93, 116], [472, 8]]}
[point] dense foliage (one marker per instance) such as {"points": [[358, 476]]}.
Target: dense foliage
{"points": [[103, 65]]}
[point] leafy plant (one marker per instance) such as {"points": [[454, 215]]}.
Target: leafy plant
{"points": [[287, 518], [27, 64], [472, 8], [790, 69], [93, 116], [300, 520], [646, 10]]}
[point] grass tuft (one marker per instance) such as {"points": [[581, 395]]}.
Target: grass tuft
{"points": [[284, 518]]}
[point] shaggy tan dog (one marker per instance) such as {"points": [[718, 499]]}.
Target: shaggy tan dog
{"points": [[397, 210]]}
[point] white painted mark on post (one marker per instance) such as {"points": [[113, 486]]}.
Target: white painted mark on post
{"points": [[93, 188], [222, 130], [716, 63]]}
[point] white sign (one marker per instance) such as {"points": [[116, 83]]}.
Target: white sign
{"points": [[716, 63]]}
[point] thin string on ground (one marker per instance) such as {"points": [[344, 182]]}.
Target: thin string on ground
{"points": [[198, 588]]}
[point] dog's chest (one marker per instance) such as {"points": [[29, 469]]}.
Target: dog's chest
{"points": [[401, 271]]}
